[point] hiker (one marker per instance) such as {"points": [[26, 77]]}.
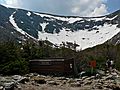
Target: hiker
{"points": [[110, 64]]}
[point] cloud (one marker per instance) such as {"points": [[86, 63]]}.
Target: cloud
{"points": [[11, 3], [89, 7], [99, 11], [62, 7]]}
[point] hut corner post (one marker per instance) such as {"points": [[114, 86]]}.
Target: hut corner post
{"points": [[75, 69]]}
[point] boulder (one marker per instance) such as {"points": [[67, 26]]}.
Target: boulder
{"points": [[76, 84], [87, 82], [62, 78], [9, 85], [24, 80], [20, 79], [53, 83], [40, 80], [1, 87], [101, 72], [116, 87]]}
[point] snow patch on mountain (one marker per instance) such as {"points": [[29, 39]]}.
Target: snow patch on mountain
{"points": [[22, 22], [43, 26], [84, 38], [29, 13], [112, 18], [70, 20], [12, 21], [74, 19], [102, 18]]}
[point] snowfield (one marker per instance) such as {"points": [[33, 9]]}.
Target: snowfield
{"points": [[84, 38]]}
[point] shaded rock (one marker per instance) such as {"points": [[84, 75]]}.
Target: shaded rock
{"points": [[76, 84], [53, 83], [16, 77], [64, 82], [62, 78], [116, 88], [83, 78], [70, 81], [1, 87], [9, 85], [19, 78], [40, 80], [31, 75], [19, 87], [99, 87], [101, 72], [88, 83], [23, 81]]}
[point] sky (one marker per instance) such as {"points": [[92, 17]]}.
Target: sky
{"points": [[66, 7]]}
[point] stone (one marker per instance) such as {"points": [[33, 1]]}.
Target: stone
{"points": [[70, 81], [9, 85], [76, 84], [20, 79], [1, 87], [116, 88], [62, 78], [88, 83], [99, 87], [19, 87], [40, 80], [101, 72], [53, 83], [16, 77], [24, 80], [83, 78]]}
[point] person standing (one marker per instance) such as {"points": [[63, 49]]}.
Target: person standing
{"points": [[110, 64]]}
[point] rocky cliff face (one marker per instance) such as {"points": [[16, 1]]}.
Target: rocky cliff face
{"points": [[19, 25]]}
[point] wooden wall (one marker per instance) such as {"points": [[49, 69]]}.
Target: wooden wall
{"points": [[52, 66]]}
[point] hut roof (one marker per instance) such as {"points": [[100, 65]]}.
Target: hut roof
{"points": [[58, 59]]}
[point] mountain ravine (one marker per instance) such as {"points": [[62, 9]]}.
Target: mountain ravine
{"points": [[20, 25]]}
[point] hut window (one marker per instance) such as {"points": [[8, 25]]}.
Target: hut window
{"points": [[71, 65], [45, 63]]}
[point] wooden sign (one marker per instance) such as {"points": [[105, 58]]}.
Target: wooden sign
{"points": [[93, 63]]}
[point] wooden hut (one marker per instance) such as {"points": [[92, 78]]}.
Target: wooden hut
{"points": [[48, 66]]}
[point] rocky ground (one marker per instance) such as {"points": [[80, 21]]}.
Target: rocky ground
{"points": [[33, 81]]}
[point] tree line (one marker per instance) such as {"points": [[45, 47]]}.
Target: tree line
{"points": [[14, 57]]}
